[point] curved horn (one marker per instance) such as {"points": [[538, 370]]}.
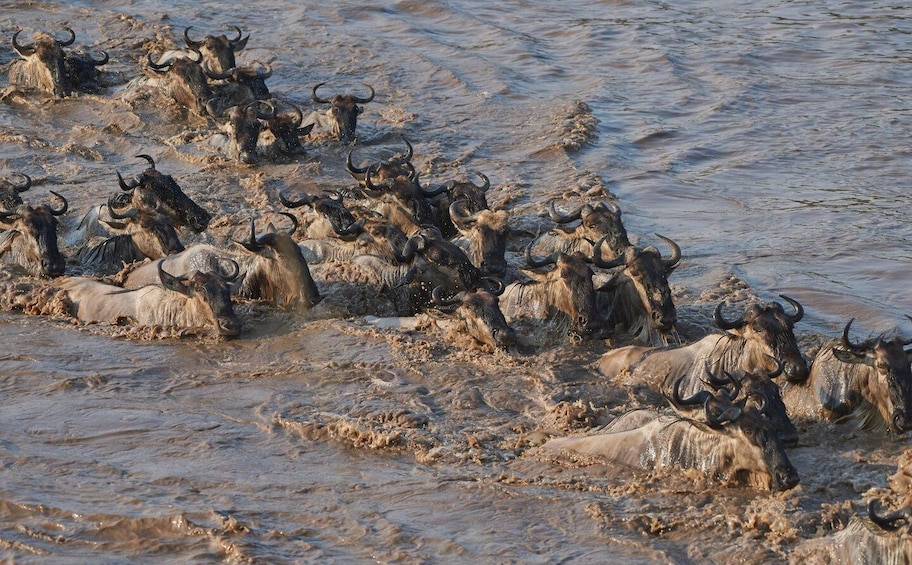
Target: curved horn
{"points": [[131, 213], [460, 216], [373, 190], [361, 100], [888, 522], [720, 382], [27, 182], [799, 310], [67, 42], [9, 216], [170, 281], [212, 109], [610, 207], [672, 261], [62, 210], [428, 193], [414, 244], [190, 42], [305, 200], [494, 285], [157, 66], [780, 366], [230, 73], [124, 186], [700, 397], [256, 105], [486, 182], [313, 95], [847, 343], [441, 302], [561, 219], [351, 166], [104, 59], [237, 39], [232, 275], [408, 150], [724, 324], [597, 256], [199, 56], [536, 263], [23, 50], [147, 158], [294, 222]]}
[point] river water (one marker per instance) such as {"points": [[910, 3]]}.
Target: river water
{"points": [[769, 141]]}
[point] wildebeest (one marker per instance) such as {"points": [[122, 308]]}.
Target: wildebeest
{"points": [[286, 131], [407, 194], [30, 238], [481, 313], [271, 265], [601, 221], [763, 334], [636, 299], [183, 79], [483, 235], [154, 189], [242, 128], [10, 191], [398, 164], [563, 295], [876, 538], [46, 66], [136, 234], [869, 383], [747, 385], [218, 50], [730, 441], [199, 300], [241, 85], [341, 119]]}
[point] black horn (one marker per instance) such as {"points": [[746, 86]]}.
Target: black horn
{"points": [[23, 50], [305, 200], [799, 310], [361, 100], [190, 42], [313, 95], [536, 263], [67, 42], [888, 522], [26, 184], [724, 324], [672, 261], [63, 208], [564, 219]]}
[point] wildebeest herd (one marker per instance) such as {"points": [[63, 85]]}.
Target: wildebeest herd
{"points": [[727, 396]]}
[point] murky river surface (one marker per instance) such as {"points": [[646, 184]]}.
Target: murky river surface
{"points": [[771, 141]]}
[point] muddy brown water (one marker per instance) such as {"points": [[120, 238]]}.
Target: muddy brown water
{"points": [[770, 142]]}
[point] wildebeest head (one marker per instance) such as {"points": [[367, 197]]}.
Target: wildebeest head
{"points": [[286, 127], [153, 189], [31, 238], [9, 191], [571, 290], [243, 127], [282, 276], [218, 50], [409, 192], [150, 230], [186, 81], [481, 313], [213, 291], [602, 221], [768, 331], [487, 232], [343, 111], [399, 164], [641, 295], [48, 69], [244, 84], [889, 379], [82, 69], [761, 440], [754, 385]]}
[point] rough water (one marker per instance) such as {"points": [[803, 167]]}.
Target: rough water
{"points": [[769, 141]]}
